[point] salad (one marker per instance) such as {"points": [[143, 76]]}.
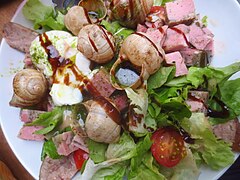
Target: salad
{"points": [[124, 89]]}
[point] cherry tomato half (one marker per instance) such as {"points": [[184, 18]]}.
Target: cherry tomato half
{"points": [[168, 146], [80, 157]]}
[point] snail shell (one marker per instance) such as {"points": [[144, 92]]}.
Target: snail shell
{"points": [[143, 74], [140, 50], [130, 12], [29, 86], [76, 18], [97, 8], [100, 127], [95, 43]]}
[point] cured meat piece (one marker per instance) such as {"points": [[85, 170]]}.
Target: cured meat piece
{"points": [[67, 142], [29, 115], [229, 132], [18, 36], [180, 11], [176, 38], [197, 100], [27, 133], [194, 57], [101, 81], [176, 58], [63, 168]]}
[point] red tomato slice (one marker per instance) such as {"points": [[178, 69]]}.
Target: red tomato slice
{"points": [[80, 157], [168, 146]]}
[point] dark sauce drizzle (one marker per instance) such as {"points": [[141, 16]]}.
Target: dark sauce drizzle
{"points": [[87, 16], [107, 38], [57, 61], [224, 113]]}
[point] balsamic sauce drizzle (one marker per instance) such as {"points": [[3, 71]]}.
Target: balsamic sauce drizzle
{"points": [[57, 62]]}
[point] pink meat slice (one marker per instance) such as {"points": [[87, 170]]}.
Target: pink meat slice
{"points": [[27, 133], [176, 40], [120, 101], [176, 58], [63, 168], [192, 56], [29, 115], [101, 81], [67, 142], [180, 11], [198, 37], [157, 35], [141, 28]]}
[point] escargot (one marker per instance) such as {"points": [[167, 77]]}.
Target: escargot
{"points": [[139, 57], [76, 18], [96, 43], [140, 50], [96, 9], [29, 86], [99, 126], [130, 12]]}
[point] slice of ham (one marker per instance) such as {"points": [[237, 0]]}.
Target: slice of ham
{"points": [[229, 132], [197, 101], [157, 36], [194, 57], [141, 28], [101, 81], [175, 39], [67, 142], [180, 11], [199, 37], [120, 100], [29, 115], [176, 58], [63, 168], [18, 36], [27, 133]]}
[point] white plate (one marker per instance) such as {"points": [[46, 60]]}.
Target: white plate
{"points": [[222, 17]]}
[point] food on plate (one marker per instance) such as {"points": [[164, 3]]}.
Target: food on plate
{"points": [[18, 36], [29, 86], [96, 43], [120, 89], [130, 13], [72, 19]]}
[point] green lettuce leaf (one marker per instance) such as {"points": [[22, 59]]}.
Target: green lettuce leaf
{"points": [[48, 120], [159, 78], [213, 75], [186, 168], [49, 149], [139, 102], [230, 94], [204, 20], [97, 151], [124, 149], [114, 172], [142, 147], [215, 153], [42, 15]]}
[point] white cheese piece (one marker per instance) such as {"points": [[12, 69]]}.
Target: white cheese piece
{"points": [[65, 95]]}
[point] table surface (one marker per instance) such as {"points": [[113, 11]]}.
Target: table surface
{"points": [[7, 10]]}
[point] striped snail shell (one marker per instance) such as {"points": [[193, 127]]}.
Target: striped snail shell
{"points": [[96, 43]]}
